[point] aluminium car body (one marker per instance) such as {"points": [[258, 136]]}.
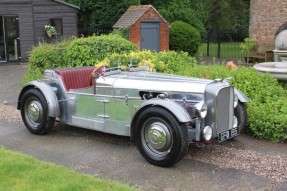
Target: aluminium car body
{"points": [[162, 113]]}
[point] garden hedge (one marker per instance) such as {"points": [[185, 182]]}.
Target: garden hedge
{"points": [[89, 51], [44, 57], [75, 53]]}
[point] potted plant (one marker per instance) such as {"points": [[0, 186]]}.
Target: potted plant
{"points": [[246, 46], [50, 30]]}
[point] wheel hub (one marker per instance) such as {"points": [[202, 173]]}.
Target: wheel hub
{"points": [[158, 136], [34, 111]]}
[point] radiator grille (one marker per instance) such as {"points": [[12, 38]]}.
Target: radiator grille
{"points": [[225, 110]]}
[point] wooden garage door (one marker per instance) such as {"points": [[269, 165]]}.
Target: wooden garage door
{"points": [[150, 36]]}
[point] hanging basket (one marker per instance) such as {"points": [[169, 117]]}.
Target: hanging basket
{"points": [[49, 34]]}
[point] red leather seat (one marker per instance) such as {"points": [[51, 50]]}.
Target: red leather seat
{"points": [[75, 78]]}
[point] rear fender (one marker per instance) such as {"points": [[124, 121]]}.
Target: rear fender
{"points": [[49, 94]]}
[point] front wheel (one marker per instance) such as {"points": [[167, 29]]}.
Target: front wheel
{"points": [[34, 112], [160, 138], [241, 114]]}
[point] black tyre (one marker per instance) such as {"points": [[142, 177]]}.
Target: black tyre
{"points": [[241, 114], [160, 138], [34, 112]]}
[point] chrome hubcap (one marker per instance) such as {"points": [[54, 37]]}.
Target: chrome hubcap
{"points": [[157, 135], [33, 111], [157, 138]]}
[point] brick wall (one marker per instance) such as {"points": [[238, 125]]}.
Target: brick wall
{"points": [[266, 16], [151, 14]]}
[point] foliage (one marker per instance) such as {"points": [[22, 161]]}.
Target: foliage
{"points": [[208, 14], [21, 172], [184, 37], [89, 51], [78, 52], [123, 32], [173, 62], [246, 46], [50, 29], [190, 11], [139, 58], [101, 13], [228, 15], [169, 62], [44, 57]]}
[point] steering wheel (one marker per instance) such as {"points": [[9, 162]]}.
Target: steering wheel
{"points": [[97, 72]]}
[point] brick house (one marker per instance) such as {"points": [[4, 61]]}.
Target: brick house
{"points": [[266, 18], [148, 29], [22, 25]]}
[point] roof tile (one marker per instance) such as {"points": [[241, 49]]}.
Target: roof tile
{"points": [[132, 15]]}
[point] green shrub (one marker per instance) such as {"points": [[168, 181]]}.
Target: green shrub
{"points": [[168, 62], [246, 47], [44, 57], [174, 62], [184, 37], [123, 32], [139, 58], [89, 51]]}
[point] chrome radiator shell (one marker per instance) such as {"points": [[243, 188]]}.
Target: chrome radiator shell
{"points": [[219, 97]]}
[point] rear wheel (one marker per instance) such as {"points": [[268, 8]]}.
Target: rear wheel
{"points": [[34, 112], [241, 115], [161, 139]]}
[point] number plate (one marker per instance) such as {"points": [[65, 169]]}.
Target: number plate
{"points": [[228, 134]]}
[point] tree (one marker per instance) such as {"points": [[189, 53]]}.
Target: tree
{"points": [[190, 11], [228, 15], [204, 14], [101, 13]]}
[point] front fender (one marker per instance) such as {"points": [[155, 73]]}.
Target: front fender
{"points": [[49, 94], [177, 110], [242, 98]]}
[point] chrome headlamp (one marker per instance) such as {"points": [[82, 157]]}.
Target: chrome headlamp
{"points": [[201, 109], [235, 100]]}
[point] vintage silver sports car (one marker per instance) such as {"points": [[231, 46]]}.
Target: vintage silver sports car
{"points": [[161, 113]]}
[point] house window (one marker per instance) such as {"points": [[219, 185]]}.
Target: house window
{"points": [[57, 23]]}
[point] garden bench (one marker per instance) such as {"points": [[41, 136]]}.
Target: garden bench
{"points": [[261, 55]]}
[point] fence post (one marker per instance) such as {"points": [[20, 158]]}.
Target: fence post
{"points": [[218, 44], [208, 40]]}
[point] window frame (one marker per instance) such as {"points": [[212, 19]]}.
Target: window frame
{"points": [[53, 23]]}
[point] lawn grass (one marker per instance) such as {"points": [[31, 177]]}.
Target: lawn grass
{"points": [[227, 50], [20, 172]]}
